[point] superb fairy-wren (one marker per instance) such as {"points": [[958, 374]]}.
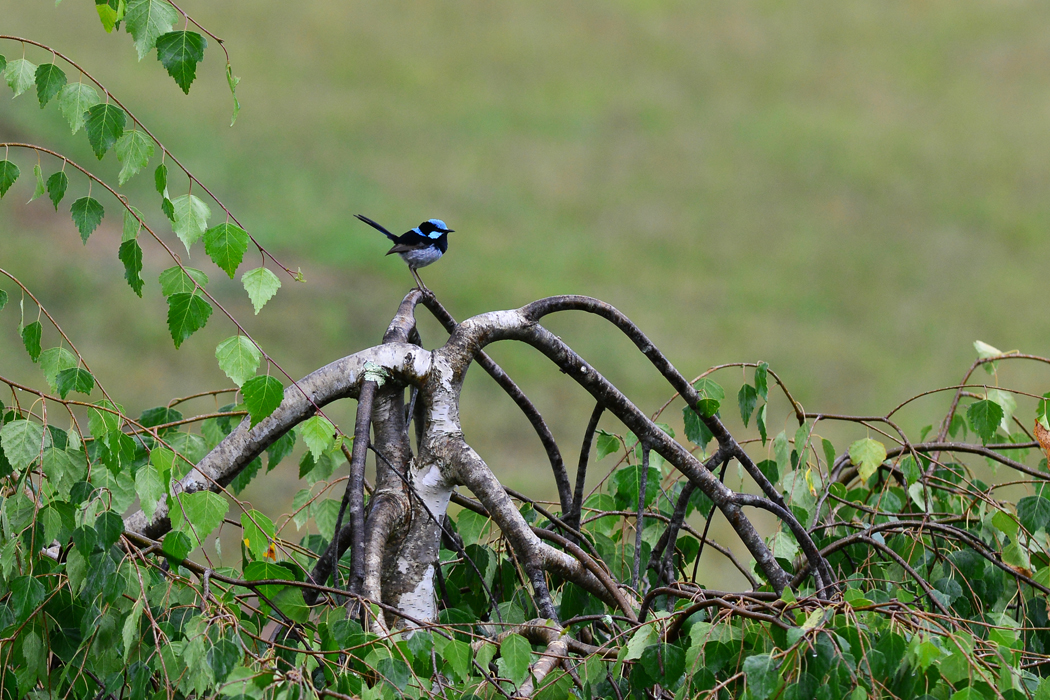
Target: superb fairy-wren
{"points": [[419, 247]]}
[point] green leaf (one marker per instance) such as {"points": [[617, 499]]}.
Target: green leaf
{"points": [[762, 676], [317, 432], [187, 314], [232, 80], [104, 124], [177, 545], [160, 178], [203, 510], [458, 656], [19, 75], [238, 358], [262, 396], [130, 632], [130, 253], [53, 361], [150, 484], [23, 441], [132, 224], [1006, 402], [516, 654], [74, 379], [867, 454], [134, 149], [1034, 513], [191, 218], [707, 407], [225, 245], [49, 81], [145, 20], [910, 469], [607, 444], [747, 399], [31, 339], [9, 172], [984, 417], [38, 175], [56, 187], [710, 389], [760, 422], [181, 279], [87, 215], [27, 593], [74, 100], [109, 527], [761, 380], [261, 284], [222, 657], [110, 12], [259, 532], [695, 430], [102, 422], [179, 53], [3, 299]]}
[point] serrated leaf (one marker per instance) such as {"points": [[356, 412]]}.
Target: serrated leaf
{"points": [[760, 422], [1034, 513], [1006, 402], [187, 314], [134, 149], [3, 299], [238, 358], [179, 53], [49, 79], [984, 416], [225, 245], [607, 444], [262, 396], [151, 488], [516, 653], [261, 284], [317, 432], [56, 187], [146, 20], [190, 219], [867, 454], [74, 379], [747, 399], [181, 279], [19, 75], [53, 361], [695, 430], [762, 676], [87, 215], [458, 656], [198, 514], [23, 441], [74, 100], [761, 380], [104, 124], [259, 532], [38, 175], [9, 172], [31, 339], [130, 632], [130, 253], [104, 420]]}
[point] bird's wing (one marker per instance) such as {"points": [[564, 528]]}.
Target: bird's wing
{"points": [[407, 247], [377, 227]]}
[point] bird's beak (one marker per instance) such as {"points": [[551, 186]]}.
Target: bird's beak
{"points": [[450, 230]]}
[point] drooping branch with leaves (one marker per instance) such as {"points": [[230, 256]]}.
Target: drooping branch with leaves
{"points": [[896, 566]]}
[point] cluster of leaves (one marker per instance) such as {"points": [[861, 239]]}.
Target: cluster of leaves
{"points": [[942, 585]]}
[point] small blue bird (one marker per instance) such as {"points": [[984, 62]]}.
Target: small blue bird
{"points": [[419, 247]]}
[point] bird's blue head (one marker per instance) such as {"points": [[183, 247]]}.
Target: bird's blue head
{"points": [[434, 228]]}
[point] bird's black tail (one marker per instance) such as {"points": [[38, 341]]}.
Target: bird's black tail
{"points": [[377, 227]]}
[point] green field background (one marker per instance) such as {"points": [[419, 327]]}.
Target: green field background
{"points": [[851, 191]]}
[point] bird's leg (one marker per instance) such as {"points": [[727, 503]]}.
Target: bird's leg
{"points": [[419, 281]]}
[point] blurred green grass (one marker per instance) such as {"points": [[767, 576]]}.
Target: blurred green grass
{"points": [[853, 192]]}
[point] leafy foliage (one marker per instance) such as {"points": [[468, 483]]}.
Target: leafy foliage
{"points": [[179, 53]]}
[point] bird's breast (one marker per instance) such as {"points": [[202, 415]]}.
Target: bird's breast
{"points": [[421, 257]]}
